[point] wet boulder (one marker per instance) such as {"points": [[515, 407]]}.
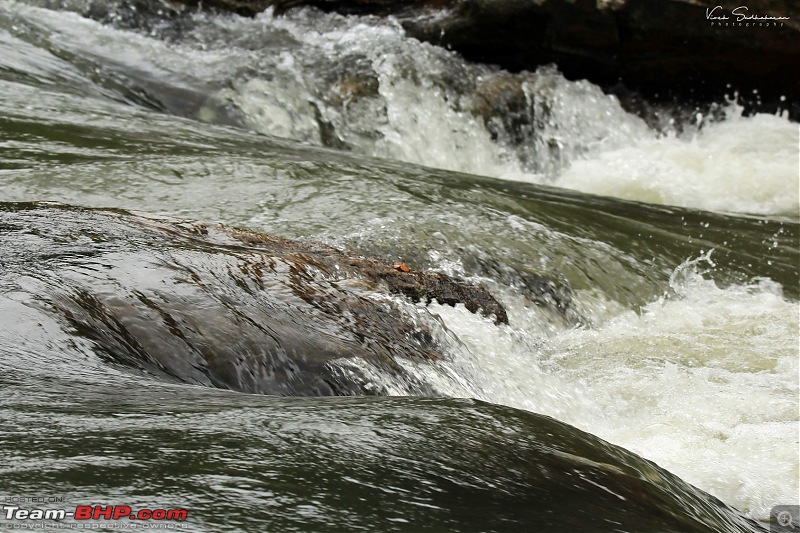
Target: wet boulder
{"points": [[224, 307]]}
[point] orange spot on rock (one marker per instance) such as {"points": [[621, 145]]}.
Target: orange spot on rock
{"points": [[401, 266]]}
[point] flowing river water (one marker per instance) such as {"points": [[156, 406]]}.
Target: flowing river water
{"points": [[674, 238]]}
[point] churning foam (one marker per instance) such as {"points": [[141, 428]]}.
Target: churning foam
{"points": [[740, 164], [383, 94], [579, 138], [703, 381]]}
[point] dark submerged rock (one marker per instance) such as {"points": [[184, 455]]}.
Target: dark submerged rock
{"points": [[224, 307]]}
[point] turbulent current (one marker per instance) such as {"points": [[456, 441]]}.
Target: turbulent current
{"points": [[647, 378]]}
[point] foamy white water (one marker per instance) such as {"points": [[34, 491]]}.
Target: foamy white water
{"points": [[572, 135], [740, 164], [577, 138], [359, 83], [702, 381]]}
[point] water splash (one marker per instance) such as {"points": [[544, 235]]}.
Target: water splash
{"points": [[738, 164], [703, 381], [359, 84]]}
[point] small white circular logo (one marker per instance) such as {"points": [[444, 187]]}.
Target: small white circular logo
{"points": [[785, 519]]}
